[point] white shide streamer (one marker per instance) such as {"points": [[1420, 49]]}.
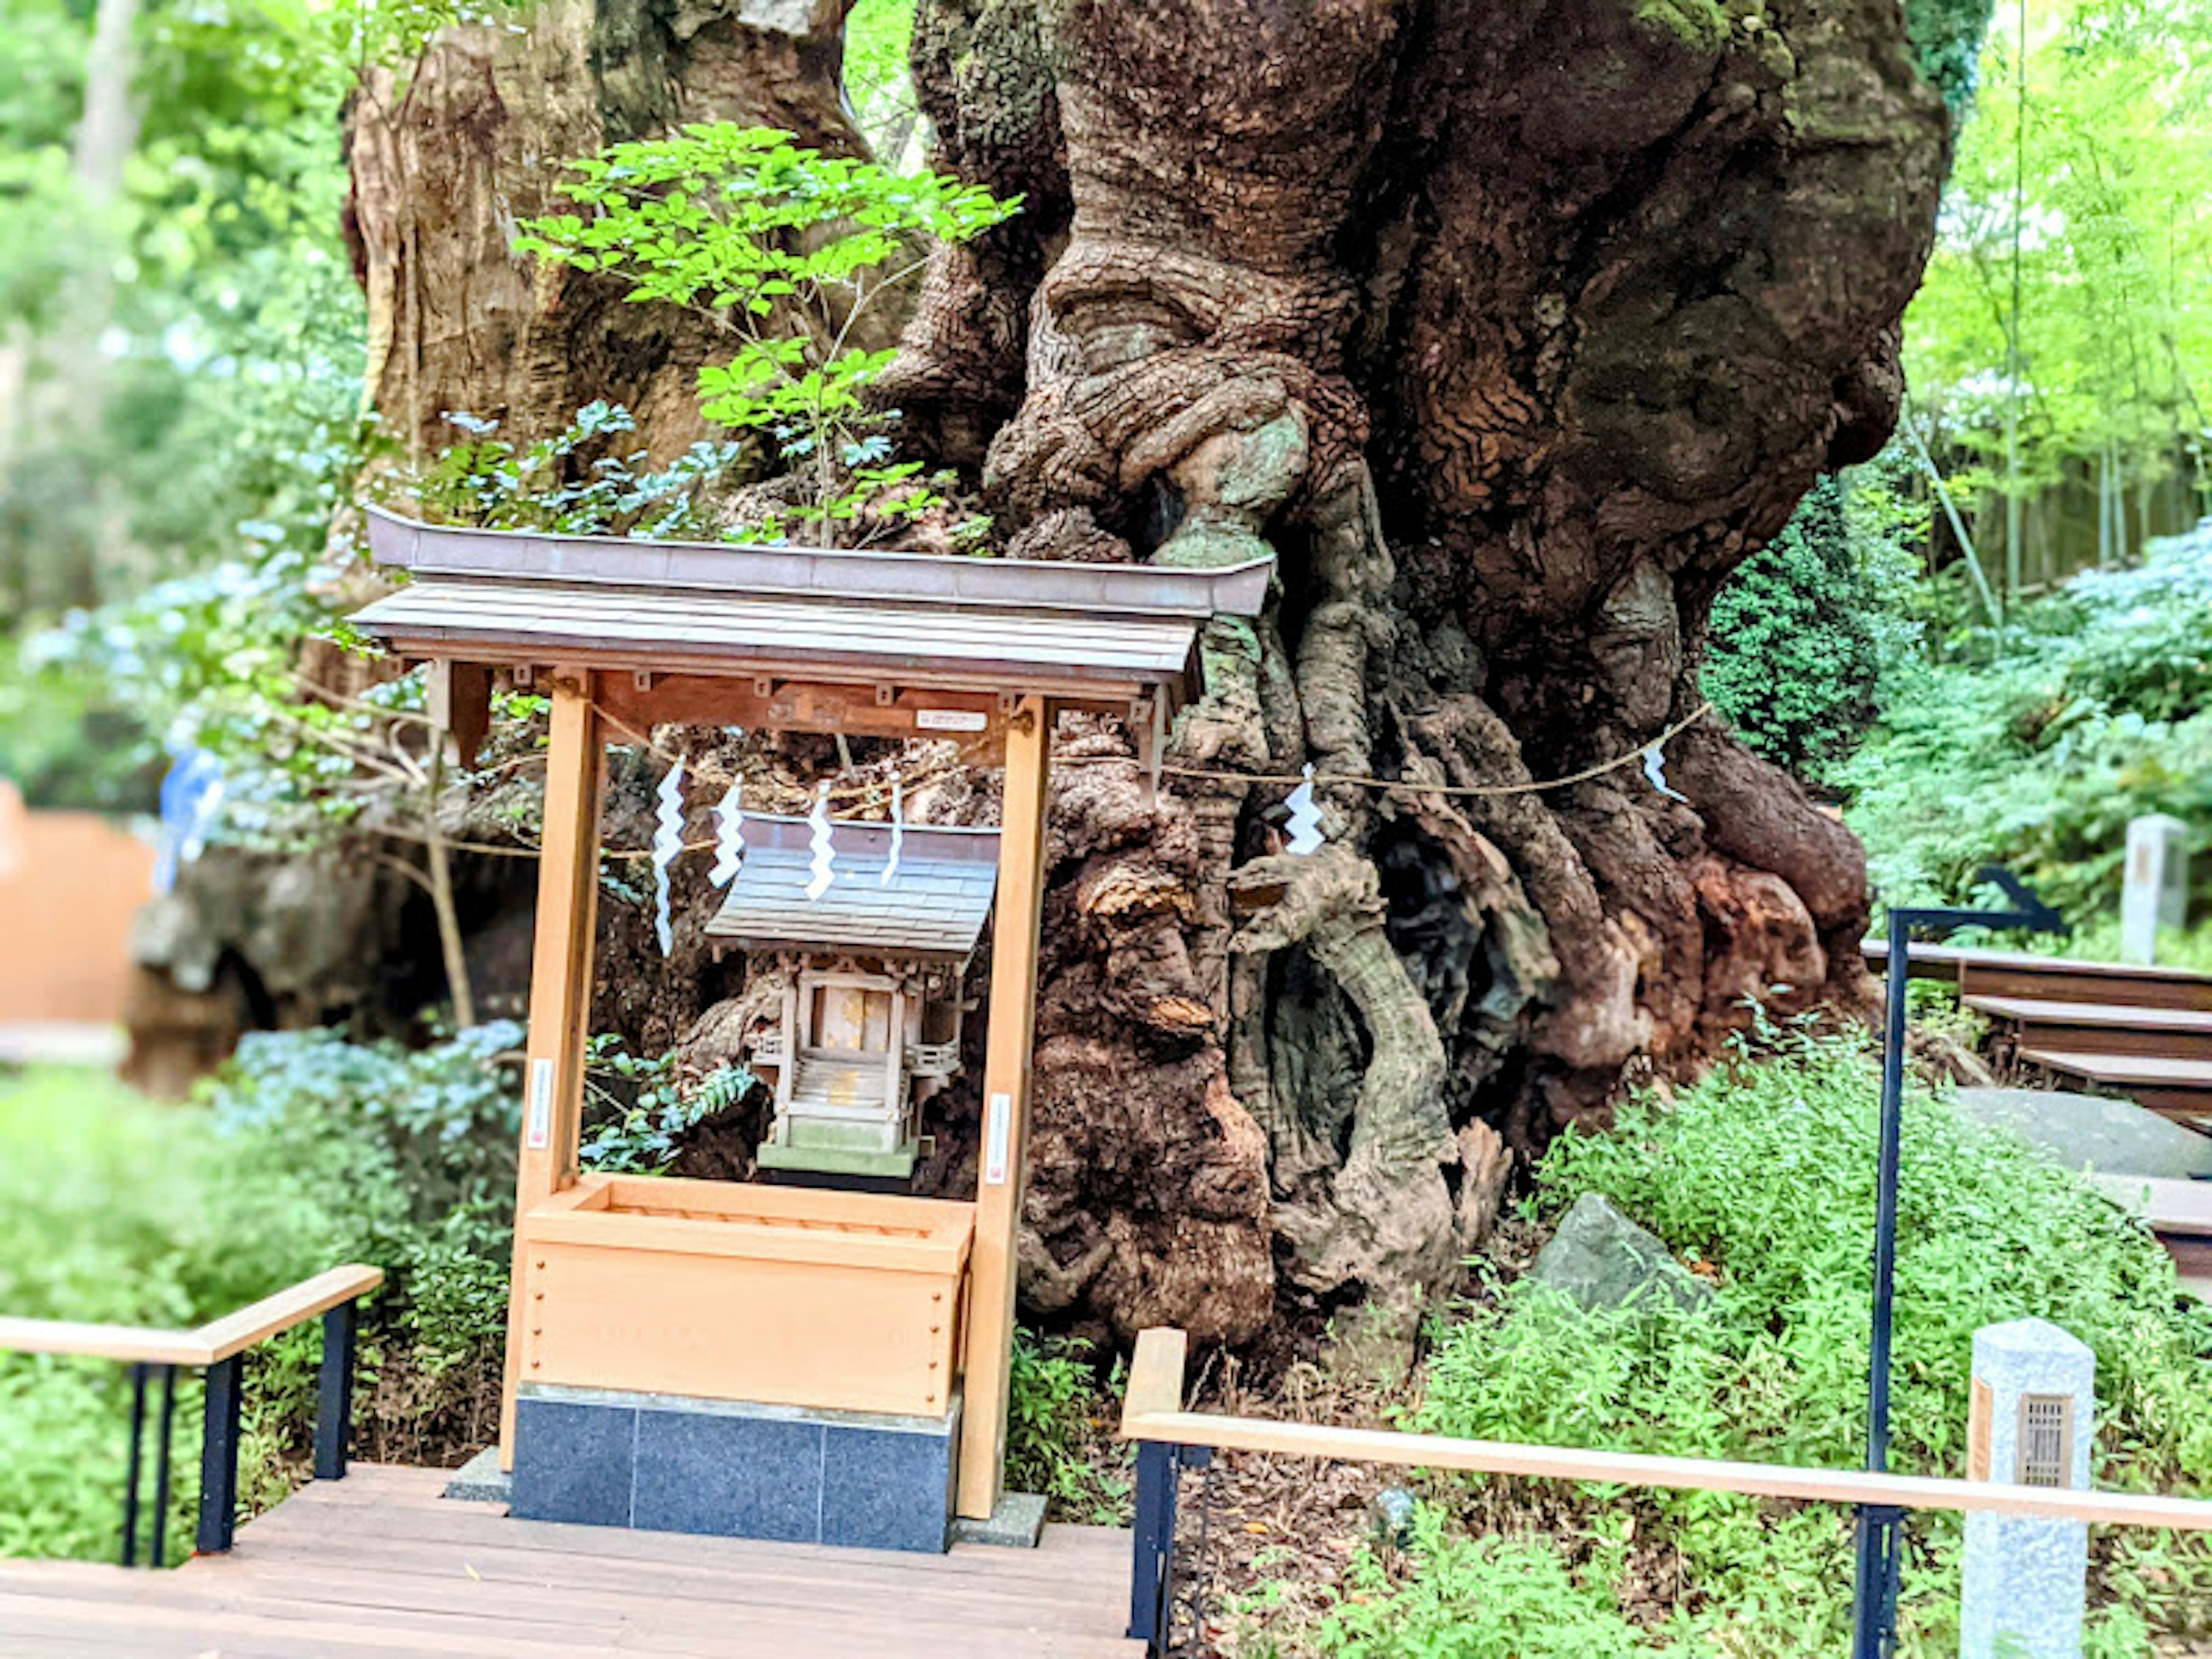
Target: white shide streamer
{"points": [[729, 835], [1654, 772], [667, 842], [1305, 817], [898, 833], [825, 850]]}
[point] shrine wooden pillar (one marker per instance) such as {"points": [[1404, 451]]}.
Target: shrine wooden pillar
{"points": [[1017, 913], [560, 992]]}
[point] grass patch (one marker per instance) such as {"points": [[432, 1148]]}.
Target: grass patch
{"points": [[101, 1192]]}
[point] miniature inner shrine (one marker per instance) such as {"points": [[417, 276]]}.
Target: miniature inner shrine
{"points": [[870, 1015], [818, 1355]]}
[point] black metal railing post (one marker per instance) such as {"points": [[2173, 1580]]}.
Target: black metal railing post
{"points": [[140, 1371], [137, 1457], [1153, 1527], [161, 1440], [219, 1456], [1880, 1527], [1151, 1582], [334, 1393]]}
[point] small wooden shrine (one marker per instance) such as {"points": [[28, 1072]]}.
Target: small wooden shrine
{"points": [[786, 1361], [870, 1021]]}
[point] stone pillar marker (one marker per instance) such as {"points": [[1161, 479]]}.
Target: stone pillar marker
{"points": [[2155, 892], [2024, 1585]]}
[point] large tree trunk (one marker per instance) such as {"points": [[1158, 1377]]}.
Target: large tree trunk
{"points": [[447, 158], [1510, 330]]}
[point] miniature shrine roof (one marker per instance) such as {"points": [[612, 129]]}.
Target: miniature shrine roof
{"points": [[1103, 632], [932, 909]]}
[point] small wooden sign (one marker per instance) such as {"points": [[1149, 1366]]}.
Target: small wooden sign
{"points": [[541, 1104], [951, 719], [997, 1131]]}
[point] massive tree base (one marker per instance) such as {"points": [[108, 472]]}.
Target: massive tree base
{"points": [[1509, 331]]}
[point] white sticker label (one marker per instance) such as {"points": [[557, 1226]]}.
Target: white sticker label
{"points": [[997, 1131], [951, 719], [541, 1105]]}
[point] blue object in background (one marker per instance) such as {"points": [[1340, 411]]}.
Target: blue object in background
{"points": [[190, 795]]}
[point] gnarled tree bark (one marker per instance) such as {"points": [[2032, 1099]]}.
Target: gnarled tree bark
{"points": [[1510, 332], [448, 157]]}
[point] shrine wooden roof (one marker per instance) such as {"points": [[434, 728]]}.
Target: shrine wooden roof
{"points": [[1098, 632], [932, 909]]}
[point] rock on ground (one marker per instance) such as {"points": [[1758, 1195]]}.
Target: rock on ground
{"points": [[1603, 1260]]}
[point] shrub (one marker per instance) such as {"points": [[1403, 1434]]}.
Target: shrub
{"points": [[2100, 711], [1803, 632], [1058, 1432], [780, 249], [637, 1109], [305, 1152]]}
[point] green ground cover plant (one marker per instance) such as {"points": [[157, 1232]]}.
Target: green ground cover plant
{"points": [[1761, 1178]]}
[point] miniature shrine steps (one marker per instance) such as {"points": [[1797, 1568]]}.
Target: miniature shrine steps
{"points": [[2142, 1032], [379, 1565], [823, 1085]]}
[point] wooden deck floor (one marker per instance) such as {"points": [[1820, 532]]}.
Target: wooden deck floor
{"points": [[380, 1565]]}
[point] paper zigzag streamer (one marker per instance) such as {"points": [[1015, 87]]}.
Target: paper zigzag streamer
{"points": [[667, 842], [1655, 772], [1305, 817], [825, 850], [729, 835], [898, 834]]}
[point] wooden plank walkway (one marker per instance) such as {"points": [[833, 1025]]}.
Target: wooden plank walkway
{"points": [[2142, 1032], [379, 1565], [2179, 1212], [2179, 1089], [2020, 973]]}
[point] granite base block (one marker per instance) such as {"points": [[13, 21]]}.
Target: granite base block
{"points": [[481, 1480], [575, 1460], [669, 1463], [711, 1472], [1015, 1523]]}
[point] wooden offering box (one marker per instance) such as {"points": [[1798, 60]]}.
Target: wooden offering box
{"points": [[849, 1301]]}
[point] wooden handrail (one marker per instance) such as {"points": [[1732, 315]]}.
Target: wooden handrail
{"points": [[137, 1344], [1152, 1412], [203, 1345]]}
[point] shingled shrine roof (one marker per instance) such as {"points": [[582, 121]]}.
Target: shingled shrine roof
{"points": [[932, 909], [1096, 632]]}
